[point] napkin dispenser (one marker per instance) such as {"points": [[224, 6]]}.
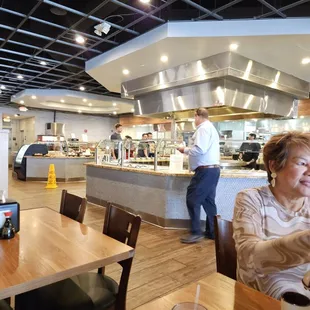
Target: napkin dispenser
{"points": [[13, 206]]}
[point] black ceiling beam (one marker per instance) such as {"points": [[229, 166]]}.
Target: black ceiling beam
{"points": [[224, 7], [39, 2], [203, 9], [46, 38], [167, 3], [59, 36], [89, 16], [133, 9], [284, 8], [136, 21], [4, 50], [44, 22], [272, 8], [38, 48]]}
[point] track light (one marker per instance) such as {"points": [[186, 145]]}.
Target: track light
{"points": [[102, 28]]}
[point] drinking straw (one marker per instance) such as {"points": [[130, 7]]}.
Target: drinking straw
{"points": [[197, 297]]}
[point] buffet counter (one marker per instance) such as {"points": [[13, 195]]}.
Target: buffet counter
{"points": [[160, 196], [67, 168]]}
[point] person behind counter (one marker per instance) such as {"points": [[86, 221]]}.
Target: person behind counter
{"points": [[129, 146], [116, 136], [151, 144], [272, 223], [143, 147], [249, 151]]}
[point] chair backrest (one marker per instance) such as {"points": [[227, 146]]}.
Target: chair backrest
{"points": [[73, 206], [124, 227], [226, 255]]}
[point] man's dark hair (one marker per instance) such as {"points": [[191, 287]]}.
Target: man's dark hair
{"points": [[144, 134], [128, 137], [117, 125], [253, 135], [149, 133]]}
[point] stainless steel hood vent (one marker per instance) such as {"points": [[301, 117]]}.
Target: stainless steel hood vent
{"points": [[55, 129], [225, 79]]}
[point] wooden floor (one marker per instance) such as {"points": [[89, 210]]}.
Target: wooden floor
{"points": [[161, 265]]}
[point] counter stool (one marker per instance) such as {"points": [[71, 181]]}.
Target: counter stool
{"points": [[90, 291]]}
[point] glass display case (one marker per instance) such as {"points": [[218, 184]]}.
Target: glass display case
{"points": [[56, 145], [80, 148], [162, 154], [144, 154]]}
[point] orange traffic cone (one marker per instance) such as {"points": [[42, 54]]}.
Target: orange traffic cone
{"points": [[51, 180]]}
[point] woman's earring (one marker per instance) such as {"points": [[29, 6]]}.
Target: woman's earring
{"points": [[273, 181]]}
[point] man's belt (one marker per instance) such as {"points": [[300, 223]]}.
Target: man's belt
{"points": [[207, 167]]}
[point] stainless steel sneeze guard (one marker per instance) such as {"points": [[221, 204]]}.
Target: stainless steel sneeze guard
{"points": [[226, 79]]}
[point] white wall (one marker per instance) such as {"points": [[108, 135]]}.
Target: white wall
{"points": [[97, 127], [27, 130], [4, 146]]}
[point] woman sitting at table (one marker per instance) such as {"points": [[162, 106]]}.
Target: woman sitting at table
{"points": [[272, 223]]}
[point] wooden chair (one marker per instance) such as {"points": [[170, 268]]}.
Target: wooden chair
{"points": [[90, 291], [226, 255], [73, 206]]}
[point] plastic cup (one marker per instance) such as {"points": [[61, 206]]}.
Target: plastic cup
{"points": [[188, 306]]}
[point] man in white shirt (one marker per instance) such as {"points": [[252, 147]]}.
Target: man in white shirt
{"points": [[204, 160]]}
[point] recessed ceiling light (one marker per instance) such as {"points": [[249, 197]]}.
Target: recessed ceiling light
{"points": [[90, 104], [145, 1], [20, 77], [62, 100], [16, 115], [22, 102], [305, 61], [82, 88], [33, 97], [132, 110], [114, 104], [302, 116], [114, 112], [43, 63], [79, 39], [164, 58], [84, 100], [79, 111], [2, 87], [233, 46], [125, 71]]}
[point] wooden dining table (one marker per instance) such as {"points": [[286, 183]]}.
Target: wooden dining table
{"points": [[217, 292], [51, 247]]}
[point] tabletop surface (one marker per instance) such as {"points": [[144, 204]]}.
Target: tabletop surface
{"points": [[217, 292], [51, 247]]}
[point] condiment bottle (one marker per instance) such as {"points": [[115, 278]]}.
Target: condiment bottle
{"points": [[8, 230]]}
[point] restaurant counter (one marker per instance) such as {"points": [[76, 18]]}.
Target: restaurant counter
{"points": [[67, 168], [160, 196]]}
